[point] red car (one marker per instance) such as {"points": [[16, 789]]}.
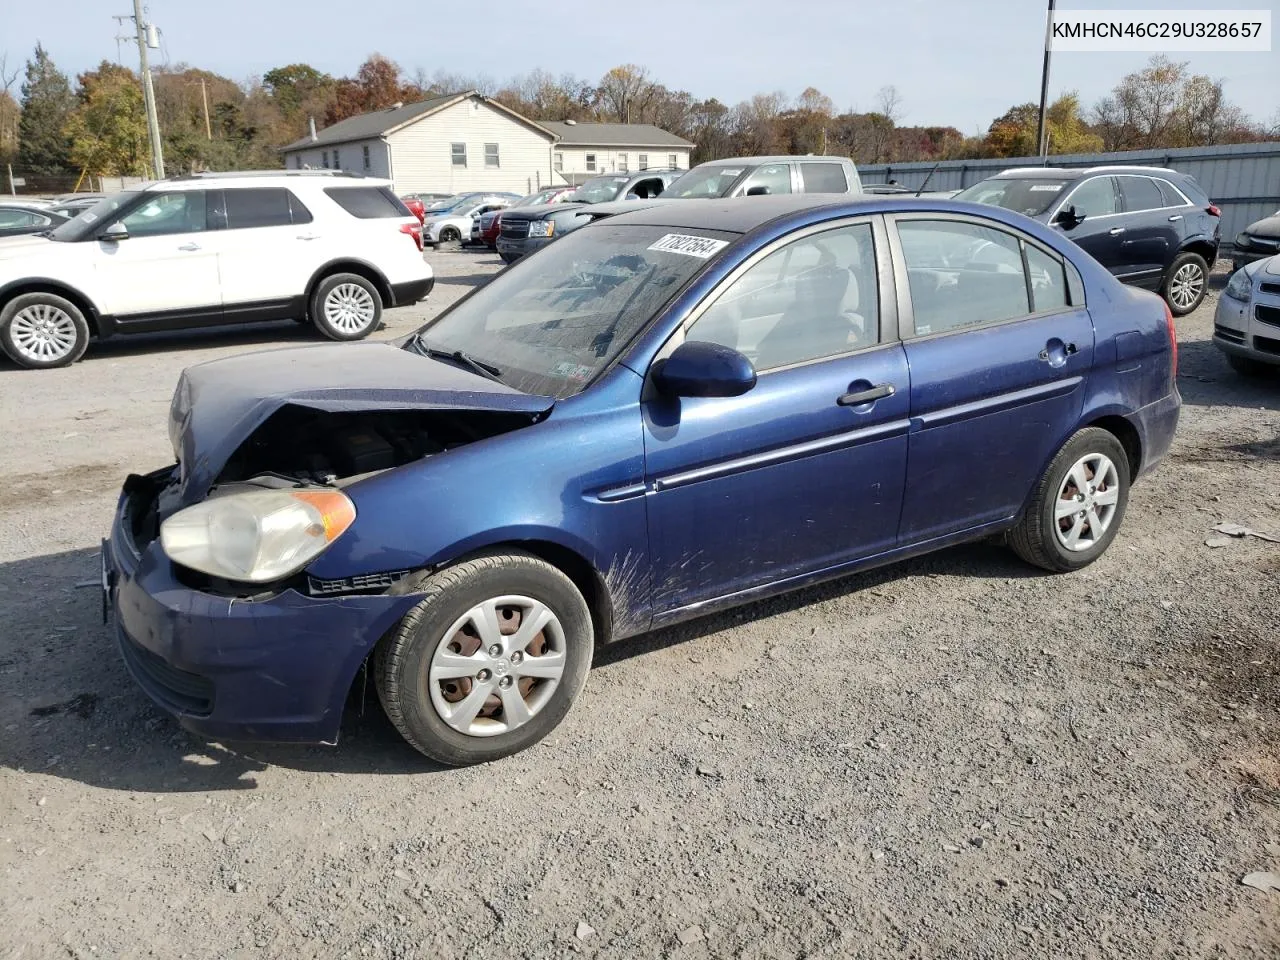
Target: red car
{"points": [[417, 207]]}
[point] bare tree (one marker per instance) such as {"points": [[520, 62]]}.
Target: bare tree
{"points": [[7, 76], [625, 93], [889, 104]]}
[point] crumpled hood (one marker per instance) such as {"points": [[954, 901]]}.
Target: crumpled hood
{"points": [[218, 404], [1268, 227]]}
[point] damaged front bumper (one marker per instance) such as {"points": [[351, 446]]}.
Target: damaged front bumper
{"points": [[273, 667]]}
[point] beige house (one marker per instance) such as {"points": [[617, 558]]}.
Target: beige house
{"points": [[467, 142], [454, 144], [585, 150]]}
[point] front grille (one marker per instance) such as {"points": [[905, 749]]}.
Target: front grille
{"points": [[1226, 333], [185, 692], [1267, 315], [1266, 345], [368, 581], [1271, 288], [514, 229]]}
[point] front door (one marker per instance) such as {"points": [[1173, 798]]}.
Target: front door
{"points": [[805, 470], [166, 272], [998, 356], [1101, 233]]}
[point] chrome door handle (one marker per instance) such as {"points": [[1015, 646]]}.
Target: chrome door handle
{"points": [[308, 236], [1175, 218], [190, 246], [860, 397], [1067, 348], [1116, 231]]}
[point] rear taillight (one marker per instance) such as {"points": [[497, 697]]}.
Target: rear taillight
{"points": [[1173, 340], [414, 230], [1213, 209]]}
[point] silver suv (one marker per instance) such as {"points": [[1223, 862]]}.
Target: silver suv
{"points": [[754, 176]]}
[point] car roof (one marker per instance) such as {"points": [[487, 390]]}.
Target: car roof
{"points": [[1060, 173], [239, 180], [738, 215], [773, 158]]}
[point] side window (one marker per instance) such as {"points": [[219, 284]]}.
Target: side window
{"points": [[961, 275], [644, 161], [823, 178], [1140, 193], [257, 207], [1095, 197], [646, 189], [1048, 281], [815, 297], [458, 154], [1170, 195], [182, 211], [774, 177], [368, 203], [18, 218], [591, 163]]}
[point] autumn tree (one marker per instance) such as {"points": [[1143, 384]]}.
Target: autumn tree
{"points": [[377, 85], [47, 101], [625, 93], [108, 127], [1013, 134]]}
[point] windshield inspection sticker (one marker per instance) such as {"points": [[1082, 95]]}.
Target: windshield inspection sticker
{"points": [[1044, 188], [701, 247]]}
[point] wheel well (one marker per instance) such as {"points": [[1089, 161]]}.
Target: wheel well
{"points": [[358, 268], [584, 577], [57, 289], [1127, 434], [1202, 247]]}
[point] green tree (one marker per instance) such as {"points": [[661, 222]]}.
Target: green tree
{"points": [[47, 101], [108, 129], [294, 86], [1013, 134]]}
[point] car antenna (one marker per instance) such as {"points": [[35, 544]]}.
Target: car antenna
{"points": [[927, 178]]}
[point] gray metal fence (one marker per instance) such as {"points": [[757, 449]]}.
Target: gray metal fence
{"points": [[1243, 179]]}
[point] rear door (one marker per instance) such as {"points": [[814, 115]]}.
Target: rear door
{"points": [[265, 258], [1101, 231], [1152, 232], [998, 355], [819, 176]]}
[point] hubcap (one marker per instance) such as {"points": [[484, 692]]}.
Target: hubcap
{"points": [[1187, 285], [43, 332], [349, 308], [481, 693], [1087, 502]]}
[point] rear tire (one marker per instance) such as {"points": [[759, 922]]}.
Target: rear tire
{"points": [[1078, 505], [459, 677], [1185, 283], [450, 235], [40, 331], [1248, 367], [346, 306]]}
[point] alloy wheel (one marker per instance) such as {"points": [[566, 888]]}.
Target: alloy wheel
{"points": [[1086, 502], [1186, 286], [349, 308], [43, 333]]}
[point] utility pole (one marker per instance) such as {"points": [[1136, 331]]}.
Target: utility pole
{"points": [[1042, 143], [148, 91], [204, 95]]}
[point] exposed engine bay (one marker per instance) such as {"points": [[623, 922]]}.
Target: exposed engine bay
{"points": [[315, 446]]}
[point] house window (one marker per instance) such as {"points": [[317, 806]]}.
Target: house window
{"points": [[491, 155], [672, 162], [644, 161], [591, 163], [459, 153], [297, 161], [337, 164], [365, 151], [559, 162], [324, 158], [622, 163]]}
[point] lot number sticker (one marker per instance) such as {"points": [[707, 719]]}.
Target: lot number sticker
{"points": [[701, 247]]}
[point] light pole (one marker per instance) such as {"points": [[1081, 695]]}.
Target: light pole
{"points": [[1042, 143]]}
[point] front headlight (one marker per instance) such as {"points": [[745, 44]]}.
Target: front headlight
{"points": [[1243, 240], [1238, 287], [542, 228], [259, 535]]}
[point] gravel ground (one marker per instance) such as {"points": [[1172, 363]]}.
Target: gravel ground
{"points": [[952, 756]]}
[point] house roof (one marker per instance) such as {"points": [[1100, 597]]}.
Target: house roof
{"points": [[379, 123], [612, 135]]}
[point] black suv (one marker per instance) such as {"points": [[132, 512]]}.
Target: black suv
{"points": [[1149, 226]]}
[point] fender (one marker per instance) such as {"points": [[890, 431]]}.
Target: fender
{"points": [[374, 274], [103, 327]]}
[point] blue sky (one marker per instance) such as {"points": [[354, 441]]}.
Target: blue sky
{"points": [[953, 63]]}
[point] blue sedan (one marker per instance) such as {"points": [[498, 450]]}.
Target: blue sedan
{"points": [[667, 413]]}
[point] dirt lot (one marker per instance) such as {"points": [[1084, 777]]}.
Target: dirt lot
{"points": [[955, 756]]}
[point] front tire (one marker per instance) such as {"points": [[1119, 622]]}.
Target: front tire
{"points": [[1186, 283], [346, 306], [450, 235], [42, 330], [1248, 367], [1078, 505], [489, 662]]}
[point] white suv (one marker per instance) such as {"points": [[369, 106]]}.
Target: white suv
{"points": [[212, 249]]}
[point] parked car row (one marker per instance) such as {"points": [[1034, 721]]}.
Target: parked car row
{"points": [[209, 249]]}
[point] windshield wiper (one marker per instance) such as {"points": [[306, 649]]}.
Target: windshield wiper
{"points": [[464, 358]]}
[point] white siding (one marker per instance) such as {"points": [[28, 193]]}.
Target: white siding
{"points": [[422, 159], [350, 156], [611, 159]]}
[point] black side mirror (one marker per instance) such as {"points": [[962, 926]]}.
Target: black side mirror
{"points": [[698, 369], [760, 190], [114, 233], [1069, 217]]}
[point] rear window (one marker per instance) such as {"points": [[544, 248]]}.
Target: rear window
{"points": [[823, 178], [1140, 193], [263, 207], [368, 203]]}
